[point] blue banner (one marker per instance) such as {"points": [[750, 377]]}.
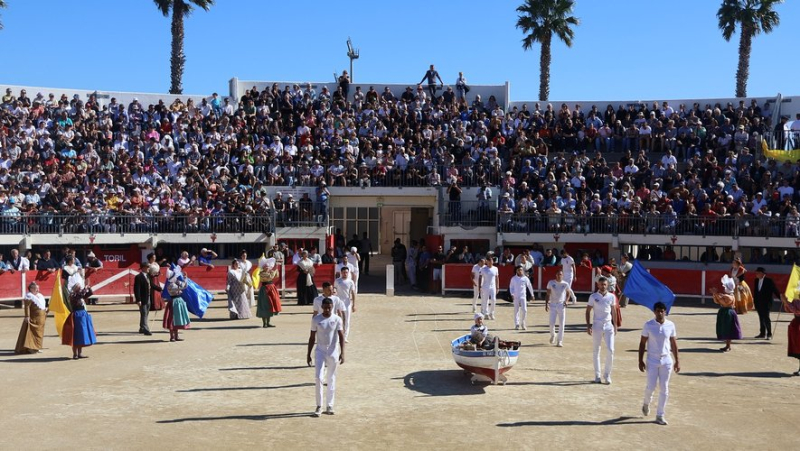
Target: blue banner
{"points": [[196, 297], [644, 289]]}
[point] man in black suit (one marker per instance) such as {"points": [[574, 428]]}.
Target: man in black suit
{"points": [[143, 295], [763, 293]]}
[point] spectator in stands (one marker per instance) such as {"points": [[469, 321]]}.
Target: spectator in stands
{"points": [[17, 262], [205, 257]]}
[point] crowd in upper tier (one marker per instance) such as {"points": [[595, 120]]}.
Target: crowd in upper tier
{"points": [[200, 164]]}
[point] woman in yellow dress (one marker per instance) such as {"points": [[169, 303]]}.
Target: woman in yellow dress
{"points": [[32, 333], [742, 293]]}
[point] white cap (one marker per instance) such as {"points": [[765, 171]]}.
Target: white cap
{"points": [[354, 250]]}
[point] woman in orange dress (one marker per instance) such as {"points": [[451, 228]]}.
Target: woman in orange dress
{"points": [[742, 295]]}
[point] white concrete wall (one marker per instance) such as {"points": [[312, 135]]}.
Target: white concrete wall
{"points": [[104, 97], [790, 105]]}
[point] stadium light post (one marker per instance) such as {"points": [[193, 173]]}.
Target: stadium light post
{"points": [[353, 54]]}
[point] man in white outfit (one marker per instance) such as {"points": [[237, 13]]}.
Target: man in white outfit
{"points": [[346, 290], [476, 288], [659, 338], [337, 271], [557, 292], [601, 326], [326, 332], [489, 280], [568, 266], [353, 258], [519, 287], [338, 305]]}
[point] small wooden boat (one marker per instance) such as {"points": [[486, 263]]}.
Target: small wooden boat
{"points": [[485, 365]]}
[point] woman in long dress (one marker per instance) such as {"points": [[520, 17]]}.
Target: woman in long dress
{"points": [[306, 290], [794, 327], [269, 302], [78, 330], [742, 295], [31, 335], [176, 315], [238, 300], [728, 327]]}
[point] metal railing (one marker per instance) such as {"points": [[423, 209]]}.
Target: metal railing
{"points": [[112, 223], [658, 224], [469, 214]]}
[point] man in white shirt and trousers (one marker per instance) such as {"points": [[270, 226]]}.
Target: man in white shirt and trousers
{"points": [[568, 266], [327, 333], [557, 292], [601, 325], [476, 288], [338, 305], [659, 339], [346, 290], [519, 287], [489, 280]]}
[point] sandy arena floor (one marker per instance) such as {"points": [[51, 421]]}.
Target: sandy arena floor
{"points": [[234, 385]]}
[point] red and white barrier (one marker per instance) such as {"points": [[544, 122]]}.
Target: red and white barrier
{"points": [[118, 282]]}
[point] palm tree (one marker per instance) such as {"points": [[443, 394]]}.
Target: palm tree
{"points": [[754, 17], [2, 5], [539, 21], [180, 9]]}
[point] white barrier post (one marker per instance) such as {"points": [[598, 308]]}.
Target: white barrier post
{"points": [[443, 278], [389, 280], [703, 287]]}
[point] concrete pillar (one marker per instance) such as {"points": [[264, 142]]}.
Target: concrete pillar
{"points": [[389, 280]]}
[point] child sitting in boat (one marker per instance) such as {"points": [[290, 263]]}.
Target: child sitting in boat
{"points": [[480, 338], [479, 334]]}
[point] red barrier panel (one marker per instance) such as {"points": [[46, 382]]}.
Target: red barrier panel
{"points": [[680, 281], [212, 279], [457, 276], [45, 279], [10, 285]]}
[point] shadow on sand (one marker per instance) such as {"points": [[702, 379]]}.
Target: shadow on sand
{"points": [[441, 383], [757, 374], [612, 422], [278, 387], [273, 416], [264, 368]]}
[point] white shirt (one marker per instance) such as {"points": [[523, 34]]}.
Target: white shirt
{"points": [[659, 348], [352, 260], [558, 291], [338, 269], [567, 263], [476, 272], [602, 306], [344, 287], [518, 285], [37, 299], [489, 276], [338, 305], [327, 333]]}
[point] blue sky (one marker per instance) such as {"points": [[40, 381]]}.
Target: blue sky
{"points": [[623, 49]]}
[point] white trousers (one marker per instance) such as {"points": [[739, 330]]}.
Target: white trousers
{"points": [[488, 300], [658, 374], [411, 271], [603, 332], [348, 317], [569, 281], [354, 276], [476, 294], [520, 310], [558, 311], [321, 363]]}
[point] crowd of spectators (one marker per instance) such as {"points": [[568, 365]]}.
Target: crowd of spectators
{"points": [[202, 167]]}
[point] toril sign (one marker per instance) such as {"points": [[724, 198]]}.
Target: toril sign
{"points": [[114, 258]]}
